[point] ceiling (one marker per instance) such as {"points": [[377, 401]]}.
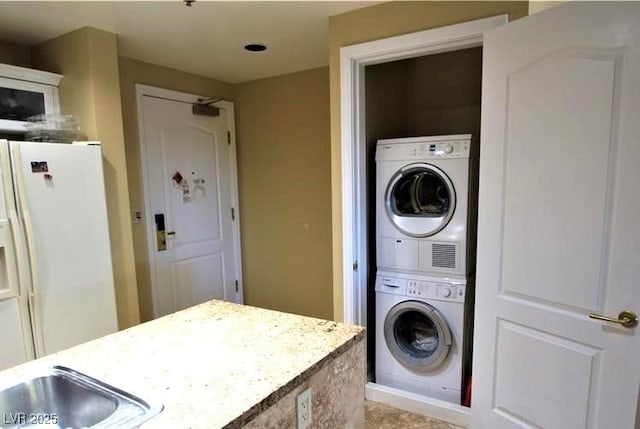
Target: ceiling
{"points": [[206, 38]]}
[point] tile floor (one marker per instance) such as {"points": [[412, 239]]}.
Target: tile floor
{"points": [[380, 416]]}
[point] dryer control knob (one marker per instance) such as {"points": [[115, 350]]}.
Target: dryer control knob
{"points": [[446, 292], [447, 148]]}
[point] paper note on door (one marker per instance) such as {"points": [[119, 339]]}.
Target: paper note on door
{"points": [[190, 189], [186, 191], [198, 187]]}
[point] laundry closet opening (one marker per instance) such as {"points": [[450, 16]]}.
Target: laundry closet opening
{"points": [[427, 96]]}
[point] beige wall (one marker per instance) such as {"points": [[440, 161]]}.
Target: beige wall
{"points": [[132, 72], [90, 90], [443, 92], [282, 127], [16, 55], [431, 95], [284, 177], [377, 22], [539, 6]]}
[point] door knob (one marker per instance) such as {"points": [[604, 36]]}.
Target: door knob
{"points": [[626, 318]]}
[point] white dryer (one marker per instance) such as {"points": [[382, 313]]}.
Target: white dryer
{"points": [[419, 334], [423, 206]]}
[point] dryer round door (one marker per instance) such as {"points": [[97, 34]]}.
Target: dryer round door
{"points": [[420, 200], [417, 335]]}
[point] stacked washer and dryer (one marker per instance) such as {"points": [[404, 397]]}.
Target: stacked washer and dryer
{"points": [[425, 248]]}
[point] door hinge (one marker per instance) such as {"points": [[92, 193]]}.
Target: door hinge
{"points": [[236, 286], [355, 265], [229, 137], [233, 213]]}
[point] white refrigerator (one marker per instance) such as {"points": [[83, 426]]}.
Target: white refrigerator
{"points": [[56, 278]]}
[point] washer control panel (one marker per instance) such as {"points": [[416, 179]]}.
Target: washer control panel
{"points": [[459, 149], [390, 150], [421, 287], [434, 290]]}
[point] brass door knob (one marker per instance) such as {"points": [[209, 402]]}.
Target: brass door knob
{"points": [[626, 318]]}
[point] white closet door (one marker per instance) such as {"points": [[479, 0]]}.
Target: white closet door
{"points": [[558, 226]]}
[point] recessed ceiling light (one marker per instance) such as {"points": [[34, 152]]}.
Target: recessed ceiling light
{"points": [[255, 47]]}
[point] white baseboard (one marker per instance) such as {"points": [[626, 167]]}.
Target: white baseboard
{"points": [[418, 404]]}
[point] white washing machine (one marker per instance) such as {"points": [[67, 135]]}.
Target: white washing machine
{"points": [[419, 334], [423, 205]]}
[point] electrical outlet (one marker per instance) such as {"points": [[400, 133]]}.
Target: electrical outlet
{"points": [[303, 406]]}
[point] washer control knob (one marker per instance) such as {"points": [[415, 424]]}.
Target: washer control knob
{"points": [[447, 148], [446, 292]]}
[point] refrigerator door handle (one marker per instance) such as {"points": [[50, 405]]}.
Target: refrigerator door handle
{"points": [[9, 227], [10, 261], [23, 284], [34, 297], [34, 304]]}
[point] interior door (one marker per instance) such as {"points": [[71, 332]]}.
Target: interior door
{"points": [[558, 235], [189, 168]]}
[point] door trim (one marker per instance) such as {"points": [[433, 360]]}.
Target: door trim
{"points": [[353, 60], [141, 91]]}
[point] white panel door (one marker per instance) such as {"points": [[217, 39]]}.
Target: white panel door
{"points": [[189, 169], [558, 234]]}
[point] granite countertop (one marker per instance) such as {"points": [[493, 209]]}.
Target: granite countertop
{"points": [[215, 365]]}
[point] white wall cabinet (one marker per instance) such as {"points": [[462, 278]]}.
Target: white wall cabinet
{"points": [[26, 92]]}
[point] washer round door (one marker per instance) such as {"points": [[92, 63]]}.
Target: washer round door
{"points": [[420, 200], [417, 335]]}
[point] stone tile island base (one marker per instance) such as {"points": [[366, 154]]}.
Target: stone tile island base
{"points": [[337, 396]]}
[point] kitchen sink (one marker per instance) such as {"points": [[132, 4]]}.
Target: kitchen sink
{"points": [[65, 398]]}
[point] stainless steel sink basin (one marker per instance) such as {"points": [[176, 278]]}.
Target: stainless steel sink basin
{"points": [[64, 398]]}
